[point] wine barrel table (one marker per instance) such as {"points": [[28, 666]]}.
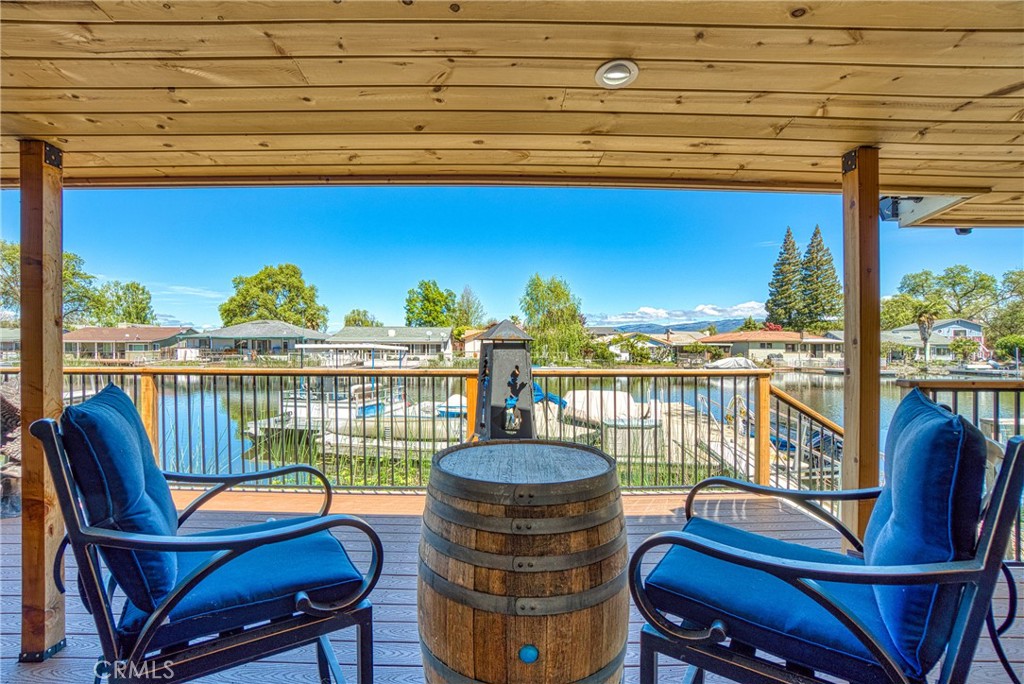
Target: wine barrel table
{"points": [[522, 566]]}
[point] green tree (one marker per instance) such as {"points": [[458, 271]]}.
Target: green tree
{"points": [[890, 349], [925, 315], [118, 302], [1012, 285], [898, 311], [821, 295], [784, 299], [469, 312], [428, 305], [361, 318], [1010, 347], [961, 291], [964, 348], [1007, 320], [553, 318], [278, 293], [749, 325], [78, 290]]}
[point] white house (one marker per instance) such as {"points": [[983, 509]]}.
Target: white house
{"points": [[947, 329]]}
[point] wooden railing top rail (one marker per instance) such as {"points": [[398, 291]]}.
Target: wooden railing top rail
{"points": [[804, 408], [403, 372], [981, 385]]}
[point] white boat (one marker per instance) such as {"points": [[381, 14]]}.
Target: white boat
{"points": [[597, 407]]}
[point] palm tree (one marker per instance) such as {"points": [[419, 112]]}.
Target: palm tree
{"points": [[925, 314]]}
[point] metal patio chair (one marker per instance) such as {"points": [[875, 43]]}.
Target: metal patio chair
{"points": [[757, 610], [195, 603]]}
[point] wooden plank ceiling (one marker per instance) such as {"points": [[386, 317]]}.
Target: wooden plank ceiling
{"points": [[731, 94]]}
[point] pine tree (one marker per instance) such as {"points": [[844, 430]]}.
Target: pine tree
{"points": [[820, 293], [784, 292]]}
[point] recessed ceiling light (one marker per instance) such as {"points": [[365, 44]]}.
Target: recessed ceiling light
{"points": [[617, 73]]}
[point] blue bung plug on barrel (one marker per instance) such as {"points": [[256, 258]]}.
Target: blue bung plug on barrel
{"points": [[529, 654]]}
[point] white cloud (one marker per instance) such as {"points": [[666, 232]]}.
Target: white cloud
{"points": [[702, 312], [189, 291]]}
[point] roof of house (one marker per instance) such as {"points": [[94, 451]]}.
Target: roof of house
{"points": [[601, 330], [392, 334], [941, 323], [131, 333], [683, 337], [262, 330], [788, 336], [912, 338]]}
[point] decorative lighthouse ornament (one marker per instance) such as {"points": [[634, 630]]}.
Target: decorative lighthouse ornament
{"points": [[505, 407]]}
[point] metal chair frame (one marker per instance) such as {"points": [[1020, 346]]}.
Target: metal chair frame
{"points": [[703, 648], [311, 621]]}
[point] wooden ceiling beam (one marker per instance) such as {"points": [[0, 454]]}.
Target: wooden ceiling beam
{"points": [[482, 123], [497, 98], [935, 14], [681, 144], [571, 72], [511, 39]]}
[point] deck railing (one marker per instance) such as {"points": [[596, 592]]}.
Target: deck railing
{"points": [[379, 428]]}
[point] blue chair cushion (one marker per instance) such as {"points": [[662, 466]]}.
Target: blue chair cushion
{"points": [[928, 512], [123, 489], [258, 585], [762, 610]]}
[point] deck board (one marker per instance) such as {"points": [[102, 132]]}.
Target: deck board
{"points": [[396, 640]]}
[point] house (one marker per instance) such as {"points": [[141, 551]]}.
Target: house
{"points": [[781, 347], [420, 342], [910, 337], [948, 329], [471, 343], [251, 338], [10, 342], [657, 346], [129, 342], [602, 333]]}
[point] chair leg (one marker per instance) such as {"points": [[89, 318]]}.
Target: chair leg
{"points": [[694, 675], [327, 663], [648, 663], [364, 650]]}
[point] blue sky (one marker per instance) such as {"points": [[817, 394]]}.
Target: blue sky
{"points": [[630, 255]]}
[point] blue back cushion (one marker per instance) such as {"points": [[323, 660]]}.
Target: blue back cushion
{"points": [[122, 488], [928, 512]]}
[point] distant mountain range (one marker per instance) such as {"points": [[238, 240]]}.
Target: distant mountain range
{"points": [[722, 326]]}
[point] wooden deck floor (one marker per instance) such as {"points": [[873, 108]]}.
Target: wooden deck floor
{"points": [[397, 519]]}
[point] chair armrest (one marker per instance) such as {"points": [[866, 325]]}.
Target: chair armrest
{"points": [[805, 577], [225, 482], [802, 499]]}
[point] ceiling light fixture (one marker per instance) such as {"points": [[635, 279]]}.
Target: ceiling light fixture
{"points": [[618, 73]]}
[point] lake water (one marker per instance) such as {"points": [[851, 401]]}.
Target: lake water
{"points": [[824, 393]]}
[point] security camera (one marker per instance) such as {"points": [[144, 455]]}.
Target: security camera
{"points": [[963, 231]]}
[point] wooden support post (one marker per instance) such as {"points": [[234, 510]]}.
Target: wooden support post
{"points": [[472, 396], [762, 431], [862, 348], [149, 409], [42, 389]]}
